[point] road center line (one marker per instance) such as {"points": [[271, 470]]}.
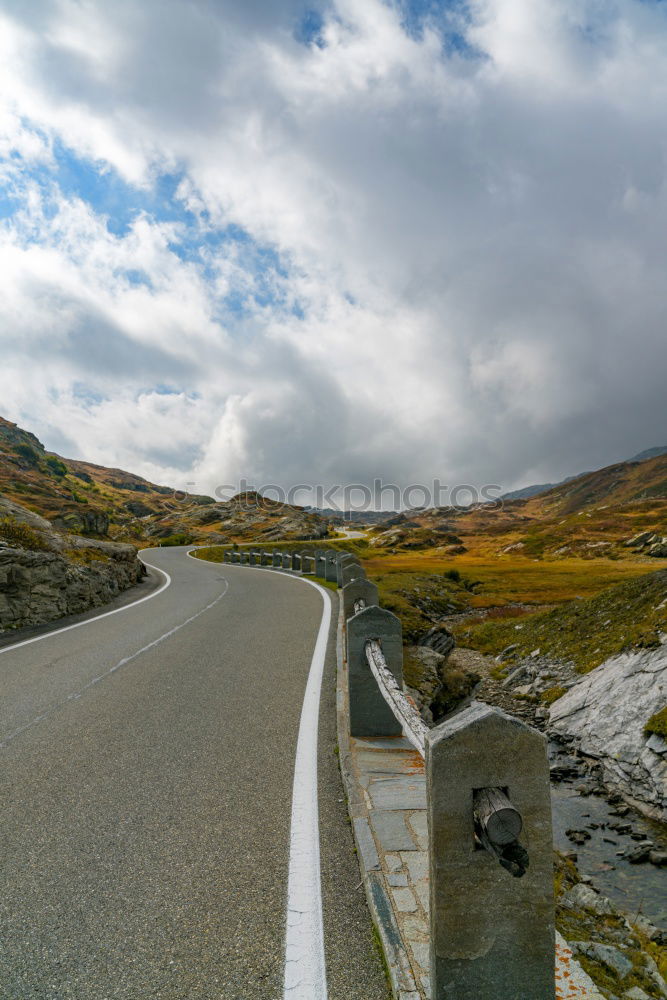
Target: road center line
{"points": [[121, 663]]}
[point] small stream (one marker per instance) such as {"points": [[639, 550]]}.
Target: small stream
{"points": [[633, 888]]}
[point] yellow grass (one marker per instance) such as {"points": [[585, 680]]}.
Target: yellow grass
{"points": [[507, 579]]}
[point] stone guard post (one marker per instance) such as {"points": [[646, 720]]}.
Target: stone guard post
{"points": [[265, 559], [356, 590], [236, 557], [320, 562], [492, 936], [343, 559], [287, 560], [245, 557], [305, 562], [351, 571], [227, 556], [296, 561], [331, 567], [277, 558], [369, 713], [252, 558]]}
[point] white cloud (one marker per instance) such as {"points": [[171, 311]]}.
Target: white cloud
{"points": [[475, 239]]}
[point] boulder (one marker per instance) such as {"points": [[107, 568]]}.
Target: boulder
{"points": [[612, 957], [583, 897], [606, 712]]}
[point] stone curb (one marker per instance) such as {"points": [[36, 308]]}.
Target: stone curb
{"points": [[398, 964]]}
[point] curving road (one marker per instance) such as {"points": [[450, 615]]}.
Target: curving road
{"points": [[146, 774]]}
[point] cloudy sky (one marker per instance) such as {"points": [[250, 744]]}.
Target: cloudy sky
{"points": [[320, 243]]}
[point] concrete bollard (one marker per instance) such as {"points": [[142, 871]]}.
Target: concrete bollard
{"points": [[266, 559], [356, 590], [320, 562], [287, 560], [351, 571], [331, 567], [307, 563], [245, 556], [252, 558], [277, 558], [343, 559], [369, 713], [236, 557], [492, 936], [296, 562]]}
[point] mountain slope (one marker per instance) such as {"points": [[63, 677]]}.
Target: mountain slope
{"points": [[525, 492], [93, 500]]}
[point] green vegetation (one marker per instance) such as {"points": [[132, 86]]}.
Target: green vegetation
{"points": [[27, 453], [180, 538], [583, 632], [552, 694], [657, 724], [57, 467], [213, 553], [86, 556], [420, 600], [17, 533]]}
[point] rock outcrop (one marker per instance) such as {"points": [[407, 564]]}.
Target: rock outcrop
{"points": [[649, 544], [45, 574], [606, 713]]}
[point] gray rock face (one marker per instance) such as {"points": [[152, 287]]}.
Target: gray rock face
{"points": [[606, 713], [581, 895], [440, 639], [37, 587], [605, 953]]}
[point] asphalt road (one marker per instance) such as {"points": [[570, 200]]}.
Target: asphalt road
{"points": [[146, 766]]}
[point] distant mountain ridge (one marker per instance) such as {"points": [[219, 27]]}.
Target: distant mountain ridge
{"points": [[532, 491]]}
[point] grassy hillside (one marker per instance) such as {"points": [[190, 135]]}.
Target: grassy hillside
{"points": [[583, 632], [590, 516], [92, 500]]}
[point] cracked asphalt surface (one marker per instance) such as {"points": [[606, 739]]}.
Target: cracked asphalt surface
{"points": [[146, 786]]}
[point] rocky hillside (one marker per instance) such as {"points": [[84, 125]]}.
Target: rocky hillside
{"points": [[86, 499], [589, 516], [618, 640], [46, 574]]}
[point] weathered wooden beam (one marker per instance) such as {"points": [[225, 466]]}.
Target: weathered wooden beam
{"points": [[496, 815], [498, 825]]}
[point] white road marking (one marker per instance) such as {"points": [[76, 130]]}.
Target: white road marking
{"points": [[121, 663], [305, 967], [96, 618]]}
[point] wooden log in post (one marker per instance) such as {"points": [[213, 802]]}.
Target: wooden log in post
{"points": [[496, 816], [497, 826]]}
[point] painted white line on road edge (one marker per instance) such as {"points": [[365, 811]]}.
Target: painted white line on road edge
{"points": [[96, 618], [305, 967], [75, 695]]}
